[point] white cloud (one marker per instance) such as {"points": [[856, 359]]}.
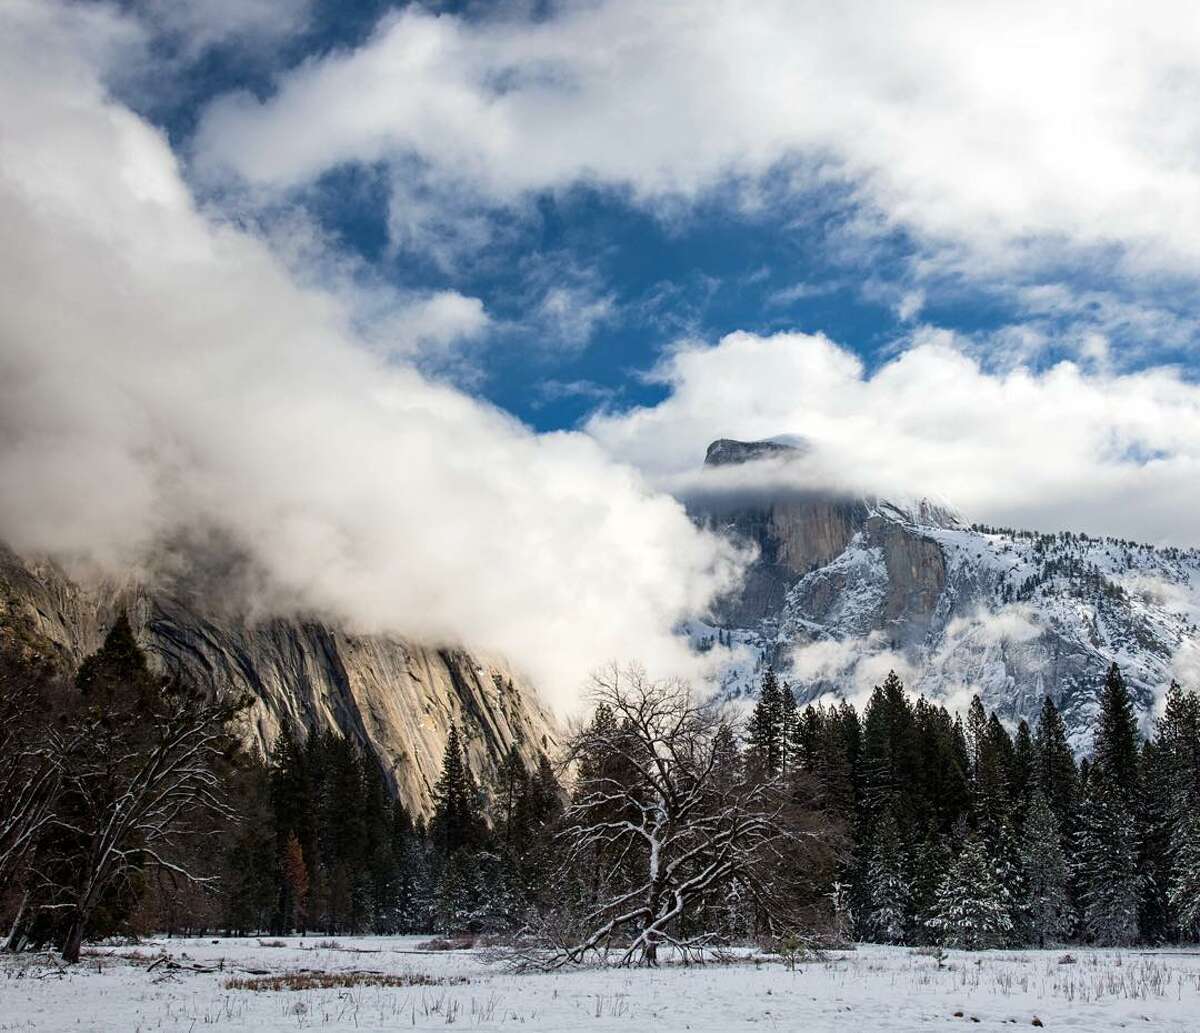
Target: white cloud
{"points": [[1185, 669], [910, 304], [439, 320], [1013, 624], [799, 292], [570, 314], [854, 665], [997, 132], [162, 373], [1064, 448]]}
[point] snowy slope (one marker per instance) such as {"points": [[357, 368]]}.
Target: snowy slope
{"points": [[956, 610]]}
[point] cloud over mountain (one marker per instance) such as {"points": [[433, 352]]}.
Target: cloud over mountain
{"points": [[164, 374], [1065, 448]]}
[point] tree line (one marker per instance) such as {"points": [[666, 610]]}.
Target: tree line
{"points": [[128, 805], [968, 835]]}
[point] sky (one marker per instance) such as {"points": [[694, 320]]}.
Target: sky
{"points": [[429, 311]]}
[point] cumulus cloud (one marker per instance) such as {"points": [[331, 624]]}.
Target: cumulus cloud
{"points": [[996, 132], [1062, 448], [164, 374]]}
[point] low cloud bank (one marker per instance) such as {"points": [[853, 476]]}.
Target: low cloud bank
{"points": [[1064, 448]]}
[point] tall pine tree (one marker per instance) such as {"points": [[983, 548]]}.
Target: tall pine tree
{"points": [[457, 820], [1047, 904]]}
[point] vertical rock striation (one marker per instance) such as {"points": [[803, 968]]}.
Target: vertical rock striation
{"points": [[390, 695]]}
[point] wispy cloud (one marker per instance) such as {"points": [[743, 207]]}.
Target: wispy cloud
{"points": [[786, 296]]}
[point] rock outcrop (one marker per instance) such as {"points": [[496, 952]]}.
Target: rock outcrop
{"points": [[394, 697]]}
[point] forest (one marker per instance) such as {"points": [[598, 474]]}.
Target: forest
{"points": [[129, 805]]}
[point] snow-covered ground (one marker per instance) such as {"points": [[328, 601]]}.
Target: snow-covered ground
{"points": [[873, 988]]}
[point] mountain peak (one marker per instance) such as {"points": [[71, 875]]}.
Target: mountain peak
{"points": [[730, 452]]}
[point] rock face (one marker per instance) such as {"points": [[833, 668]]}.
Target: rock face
{"points": [[792, 535], [391, 696], [845, 588], [728, 452]]}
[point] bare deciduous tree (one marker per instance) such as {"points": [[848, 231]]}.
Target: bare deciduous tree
{"points": [[673, 824], [31, 769], [132, 791]]}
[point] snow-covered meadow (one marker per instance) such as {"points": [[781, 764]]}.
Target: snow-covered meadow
{"points": [[123, 990]]}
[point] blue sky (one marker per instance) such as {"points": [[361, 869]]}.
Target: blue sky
{"points": [[634, 276], [424, 318]]}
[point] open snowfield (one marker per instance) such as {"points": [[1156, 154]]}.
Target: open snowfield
{"points": [[873, 988]]}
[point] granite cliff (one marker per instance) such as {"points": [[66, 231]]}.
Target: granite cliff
{"points": [[392, 696]]}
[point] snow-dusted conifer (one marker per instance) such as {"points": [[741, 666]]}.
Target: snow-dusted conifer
{"points": [[1047, 905], [1055, 773], [971, 912], [1110, 881], [1185, 875], [888, 885]]}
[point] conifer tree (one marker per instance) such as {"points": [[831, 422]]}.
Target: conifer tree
{"points": [[295, 877], [792, 735], [1174, 793], [509, 799], [249, 879], [889, 756], [931, 861], [1021, 775], [1047, 905], [944, 786], [1116, 738], [765, 732], [1153, 815], [1178, 738], [970, 912], [993, 755], [1004, 851], [455, 898], [888, 882], [1110, 882], [1184, 891], [806, 738], [977, 733], [1055, 773], [546, 796], [457, 821]]}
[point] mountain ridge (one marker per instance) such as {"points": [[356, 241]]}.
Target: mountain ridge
{"points": [[844, 588]]}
